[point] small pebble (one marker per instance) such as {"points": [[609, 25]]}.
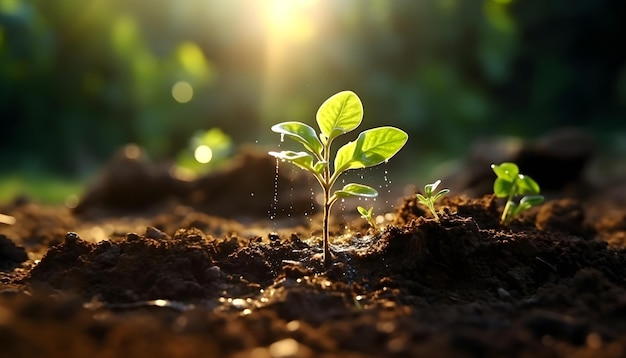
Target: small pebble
{"points": [[71, 238], [503, 293], [154, 233]]}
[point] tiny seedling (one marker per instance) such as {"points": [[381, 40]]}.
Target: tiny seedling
{"points": [[510, 184], [368, 215], [429, 198], [338, 115]]}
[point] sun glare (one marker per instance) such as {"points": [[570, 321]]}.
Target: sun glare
{"points": [[289, 17], [290, 30]]}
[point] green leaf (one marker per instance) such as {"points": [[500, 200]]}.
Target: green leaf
{"points": [[531, 200], [340, 114], [371, 148], [364, 212], [507, 171], [301, 133], [526, 185], [422, 199], [303, 160], [429, 188], [354, 189], [320, 166], [502, 187], [441, 193]]}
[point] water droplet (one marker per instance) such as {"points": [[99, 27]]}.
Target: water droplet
{"points": [[282, 137], [251, 194], [273, 212]]}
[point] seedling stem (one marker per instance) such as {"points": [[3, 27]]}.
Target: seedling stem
{"points": [[338, 115]]}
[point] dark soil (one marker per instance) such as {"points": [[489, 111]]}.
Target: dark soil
{"points": [[160, 267]]}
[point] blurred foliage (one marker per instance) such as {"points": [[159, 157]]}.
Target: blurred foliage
{"points": [[82, 77], [206, 151], [48, 189]]}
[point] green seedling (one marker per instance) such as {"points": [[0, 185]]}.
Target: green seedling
{"points": [[510, 184], [338, 115], [429, 198], [368, 215]]}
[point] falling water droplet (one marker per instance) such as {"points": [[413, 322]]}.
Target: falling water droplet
{"points": [[282, 137], [274, 211]]}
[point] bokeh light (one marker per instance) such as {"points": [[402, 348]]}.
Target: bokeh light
{"points": [[182, 92], [203, 154]]}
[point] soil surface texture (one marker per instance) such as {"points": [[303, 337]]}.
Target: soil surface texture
{"points": [[148, 265]]}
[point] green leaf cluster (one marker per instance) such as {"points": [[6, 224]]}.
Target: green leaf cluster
{"points": [[429, 198], [510, 183], [338, 115]]}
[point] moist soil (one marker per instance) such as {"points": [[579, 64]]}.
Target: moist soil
{"points": [[152, 266]]}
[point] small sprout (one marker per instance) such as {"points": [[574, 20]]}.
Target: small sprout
{"points": [[429, 199], [509, 184], [338, 115], [368, 215]]}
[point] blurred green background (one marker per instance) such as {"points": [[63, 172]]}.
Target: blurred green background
{"points": [[80, 78]]}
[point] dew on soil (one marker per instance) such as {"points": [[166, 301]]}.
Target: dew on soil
{"points": [[352, 243], [348, 244]]}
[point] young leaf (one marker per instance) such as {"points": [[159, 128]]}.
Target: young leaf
{"points": [[364, 212], [531, 200], [422, 198], [507, 171], [526, 185], [368, 215], [441, 193], [430, 188], [371, 148], [319, 167], [502, 187], [354, 189], [339, 114], [301, 133], [303, 160]]}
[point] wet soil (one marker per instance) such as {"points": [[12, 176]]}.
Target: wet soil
{"points": [[163, 267]]}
